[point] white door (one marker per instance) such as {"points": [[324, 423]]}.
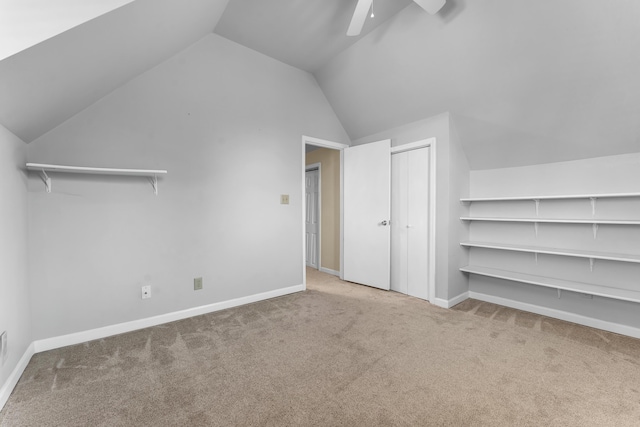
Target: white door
{"points": [[410, 222], [311, 217], [366, 211]]}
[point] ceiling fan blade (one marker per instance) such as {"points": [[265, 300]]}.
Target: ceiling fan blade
{"points": [[359, 16], [431, 6]]}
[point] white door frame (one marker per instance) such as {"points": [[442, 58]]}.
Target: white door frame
{"points": [[429, 142], [318, 205], [334, 146]]}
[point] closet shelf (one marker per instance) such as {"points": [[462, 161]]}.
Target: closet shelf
{"points": [[152, 174], [560, 284], [556, 220], [572, 196], [555, 251]]}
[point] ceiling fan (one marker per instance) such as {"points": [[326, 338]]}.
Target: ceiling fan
{"points": [[363, 6]]}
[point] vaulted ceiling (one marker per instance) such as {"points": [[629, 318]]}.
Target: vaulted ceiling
{"points": [[50, 82], [525, 81]]}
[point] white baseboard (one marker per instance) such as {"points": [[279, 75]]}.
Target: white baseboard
{"points": [[94, 334], [330, 271], [451, 302], [559, 314], [10, 383]]}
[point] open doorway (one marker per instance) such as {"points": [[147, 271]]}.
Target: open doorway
{"points": [[323, 230], [353, 164], [322, 208]]}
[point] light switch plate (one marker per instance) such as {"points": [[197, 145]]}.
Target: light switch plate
{"points": [[284, 199], [197, 283]]}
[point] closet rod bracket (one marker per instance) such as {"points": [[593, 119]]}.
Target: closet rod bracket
{"points": [[154, 183], [46, 179]]}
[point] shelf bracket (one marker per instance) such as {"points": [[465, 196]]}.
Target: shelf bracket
{"points": [[154, 183], [593, 205], [46, 179], [537, 201], [595, 230], [559, 293], [591, 262], [535, 227], [536, 255]]}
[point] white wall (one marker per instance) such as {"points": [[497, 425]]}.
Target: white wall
{"points": [[226, 123], [452, 183], [15, 314], [611, 174]]}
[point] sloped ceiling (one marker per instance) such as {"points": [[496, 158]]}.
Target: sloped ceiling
{"points": [[304, 34], [25, 23], [527, 82], [52, 81]]}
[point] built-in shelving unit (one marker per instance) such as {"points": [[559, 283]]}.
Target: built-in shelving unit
{"points": [[503, 240], [565, 197], [537, 199], [557, 220], [559, 284], [151, 174], [560, 252]]}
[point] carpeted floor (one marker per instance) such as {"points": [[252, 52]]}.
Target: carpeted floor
{"points": [[339, 354]]}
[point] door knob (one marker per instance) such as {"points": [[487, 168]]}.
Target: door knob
{"points": [[385, 222]]}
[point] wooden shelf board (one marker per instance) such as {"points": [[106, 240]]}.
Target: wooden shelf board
{"points": [[572, 196], [555, 251], [549, 282]]}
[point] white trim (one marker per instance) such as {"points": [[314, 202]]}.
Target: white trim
{"points": [[309, 168], [440, 302], [432, 217], [330, 271], [302, 196], [341, 275], [120, 328], [322, 143], [413, 145], [559, 314], [10, 383]]}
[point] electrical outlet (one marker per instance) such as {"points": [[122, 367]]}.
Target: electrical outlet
{"points": [[197, 283], [4, 349], [146, 292], [284, 199]]}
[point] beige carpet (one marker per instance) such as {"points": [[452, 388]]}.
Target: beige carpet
{"points": [[339, 354]]}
